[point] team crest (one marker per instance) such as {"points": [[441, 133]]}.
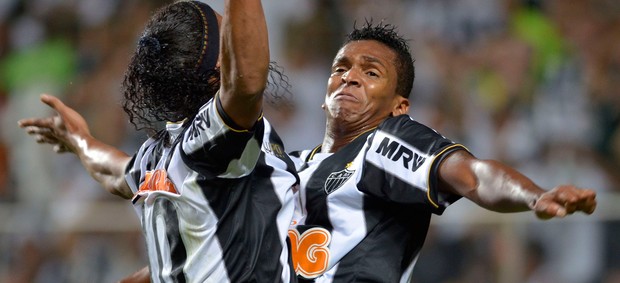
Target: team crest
{"points": [[336, 179]]}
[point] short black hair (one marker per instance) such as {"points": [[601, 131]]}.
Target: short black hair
{"points": [[387, 34]]}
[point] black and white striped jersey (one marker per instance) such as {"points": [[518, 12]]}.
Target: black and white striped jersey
{"points": [[365, 210], [216, 205]]}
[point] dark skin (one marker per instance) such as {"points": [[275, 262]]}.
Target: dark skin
{"points": [[243, 78], [141, 276], [68, 132], [244, 66], [361, 93]]}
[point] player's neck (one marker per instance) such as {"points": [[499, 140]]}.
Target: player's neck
{"points": [[337, 138]]}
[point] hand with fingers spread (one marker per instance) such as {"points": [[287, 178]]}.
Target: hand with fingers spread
{"points": [[564, 200], [67, 131], [63, 130], [208, 145]]}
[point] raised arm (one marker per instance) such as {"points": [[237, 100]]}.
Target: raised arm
{"points": [[244, 61], [68, 132], [498, 187]]}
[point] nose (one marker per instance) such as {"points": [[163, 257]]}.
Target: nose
{"points": [[351, 77]]}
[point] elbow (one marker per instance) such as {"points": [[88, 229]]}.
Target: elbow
{"points": [[245, 82], [120, 191], [117, 186], [253, 84], [251, 81]]}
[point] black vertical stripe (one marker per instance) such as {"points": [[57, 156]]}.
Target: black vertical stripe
{"points": [[292, 274], [247, 209], [132, 171], [266, 206], [274, 138], [396, 234]]}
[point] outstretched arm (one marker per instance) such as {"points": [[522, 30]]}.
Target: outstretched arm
{"points": [[141, 276], [68, 132], [244, 61], [498, 187]]}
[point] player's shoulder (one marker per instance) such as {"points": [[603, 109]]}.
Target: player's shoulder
{"points": [[300, 155], [405, 125]]}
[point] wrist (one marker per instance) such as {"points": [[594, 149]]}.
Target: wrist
{"points": [[532, 200]]}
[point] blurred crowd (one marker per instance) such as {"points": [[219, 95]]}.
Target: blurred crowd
{"points": [[535, 84]]}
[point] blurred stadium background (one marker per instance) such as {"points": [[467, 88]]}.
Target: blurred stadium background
{"points": [[535, 84]]}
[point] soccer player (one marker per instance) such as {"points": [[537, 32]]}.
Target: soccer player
{"points": [[213, 189], [368, 191]]}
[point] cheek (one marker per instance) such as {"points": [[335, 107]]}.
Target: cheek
{"points": [[374, 94], [331, 84], [378, 99]]}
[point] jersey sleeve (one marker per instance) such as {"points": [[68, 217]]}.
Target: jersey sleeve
{"points": [[214, 146], [134, 172], [401, 162]]}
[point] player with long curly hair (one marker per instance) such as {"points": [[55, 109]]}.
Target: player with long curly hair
{"points": [[212, 185]]}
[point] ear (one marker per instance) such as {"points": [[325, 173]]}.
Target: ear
{"points": [[401, 106]]}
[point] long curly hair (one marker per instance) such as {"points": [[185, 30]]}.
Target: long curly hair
{"points": [[162, 82]]}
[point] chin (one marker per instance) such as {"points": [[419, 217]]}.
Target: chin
{"points": [[345, 116]]}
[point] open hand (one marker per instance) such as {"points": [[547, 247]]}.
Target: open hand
{"points": [[59, 130]]}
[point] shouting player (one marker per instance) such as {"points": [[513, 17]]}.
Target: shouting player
{"points": [[368, 191]]}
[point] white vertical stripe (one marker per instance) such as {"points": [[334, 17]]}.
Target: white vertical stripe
{"points": [[346, 213], [198, 226], [406, 276], [150, 240], [164, 248]]}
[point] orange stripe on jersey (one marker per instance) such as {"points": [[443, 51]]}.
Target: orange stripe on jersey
{"points": [[157, 180]]}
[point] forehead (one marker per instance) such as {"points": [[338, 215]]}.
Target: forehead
{"points": [[367, 50]]}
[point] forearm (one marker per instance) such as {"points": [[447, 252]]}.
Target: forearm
{"points": [[105, 163], [501, 188], [141, 276], [488, 183], [498, 187], [245, 60], [68, 132]]}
